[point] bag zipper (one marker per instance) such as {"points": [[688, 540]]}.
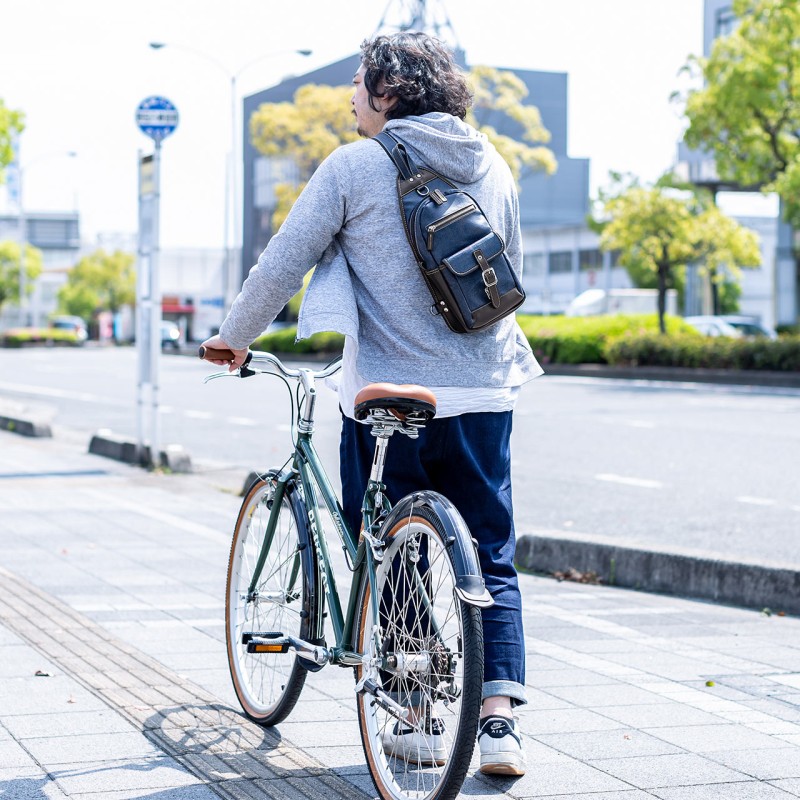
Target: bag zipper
{"points": [[449, 219]]}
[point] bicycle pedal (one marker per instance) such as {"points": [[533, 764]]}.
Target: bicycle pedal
{"points": [[246, 637], [265, 642], [258, 644]]}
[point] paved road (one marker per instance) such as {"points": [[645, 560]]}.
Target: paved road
{"points": [[685, 465]]}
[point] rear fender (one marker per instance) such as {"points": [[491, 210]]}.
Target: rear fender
{"points": [[470, 585]]}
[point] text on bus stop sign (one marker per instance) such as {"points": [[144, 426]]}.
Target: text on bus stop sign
{"points": [[157, 117]]}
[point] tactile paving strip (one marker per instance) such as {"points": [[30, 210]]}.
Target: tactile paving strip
{"points": [[234, 757]]}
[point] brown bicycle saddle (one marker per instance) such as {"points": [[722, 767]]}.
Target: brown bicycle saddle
{"points": [[399, 399]]}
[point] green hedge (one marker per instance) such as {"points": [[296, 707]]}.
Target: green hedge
{"points": [[581, 340], [652, 350], [17, 337], [618, 340], [283, 341]]}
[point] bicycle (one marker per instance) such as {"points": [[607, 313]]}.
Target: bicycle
{"points": [[411, 628]]}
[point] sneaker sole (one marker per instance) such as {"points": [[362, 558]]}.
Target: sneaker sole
{"points": [[413, 757], [514, 768]]}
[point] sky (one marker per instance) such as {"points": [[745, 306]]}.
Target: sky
{"points": [[79, 69]]}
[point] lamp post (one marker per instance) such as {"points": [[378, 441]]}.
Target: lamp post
{"points": [[232, 221], [23, 232]]}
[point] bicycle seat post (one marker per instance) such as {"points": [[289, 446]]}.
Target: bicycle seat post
{"points": [[379, 459]]}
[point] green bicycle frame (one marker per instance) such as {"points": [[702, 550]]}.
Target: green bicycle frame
{"points": [[313, 477]]}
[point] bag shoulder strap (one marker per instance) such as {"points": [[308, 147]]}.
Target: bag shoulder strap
{"points": [[396, 150]]}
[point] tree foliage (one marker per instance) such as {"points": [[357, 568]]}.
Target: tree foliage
{"points": [[748, 112], [501, 93], [11, 124], [319, 119], [306, 130], [10, 271], [660, 229], [100, 281]]}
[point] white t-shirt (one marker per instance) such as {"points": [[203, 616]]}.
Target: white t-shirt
{"points": [[450, 400]]}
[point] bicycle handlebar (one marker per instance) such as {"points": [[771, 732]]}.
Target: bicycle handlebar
{"points": [[267, 359]]}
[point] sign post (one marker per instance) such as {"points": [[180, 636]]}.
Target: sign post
{"points": [[156, 118]]}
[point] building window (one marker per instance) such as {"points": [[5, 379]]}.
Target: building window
{"points": [[560, 262], [533, 264], [590, 260], [724, 21], [53, 233], [268, 173]]}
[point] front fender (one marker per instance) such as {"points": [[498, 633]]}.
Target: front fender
{"points": [[470, 585]]}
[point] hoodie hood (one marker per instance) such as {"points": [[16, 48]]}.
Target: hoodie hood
{"points": [[445, 144]]}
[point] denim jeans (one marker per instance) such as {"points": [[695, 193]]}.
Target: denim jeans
{"points": [[466, 458]]}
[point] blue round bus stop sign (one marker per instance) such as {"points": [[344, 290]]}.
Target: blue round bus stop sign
{"points": [[156, 117]]}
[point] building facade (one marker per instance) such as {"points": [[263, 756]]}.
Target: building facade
{"points": [[57, 235]]}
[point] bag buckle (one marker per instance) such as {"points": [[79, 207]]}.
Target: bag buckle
{"points": [[489, 277]]}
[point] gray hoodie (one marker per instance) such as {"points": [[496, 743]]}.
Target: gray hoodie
{"points": [[367, 284]]}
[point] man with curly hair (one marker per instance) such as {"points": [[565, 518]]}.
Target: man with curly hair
{"points": [[367, 286]]}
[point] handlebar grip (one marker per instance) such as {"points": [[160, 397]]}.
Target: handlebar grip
{"points": [[218, 355]]}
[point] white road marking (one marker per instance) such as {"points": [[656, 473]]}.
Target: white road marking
{"points": [[241, 421], [642, 483], [198, 414], [757, 501], [171, 520], [62, 394]]}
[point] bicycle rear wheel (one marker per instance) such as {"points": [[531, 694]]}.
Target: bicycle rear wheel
{"points": [[430, 660], [267, 684]]}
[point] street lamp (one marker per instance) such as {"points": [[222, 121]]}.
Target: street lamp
{"points": [[23, 233], [230, 283]]}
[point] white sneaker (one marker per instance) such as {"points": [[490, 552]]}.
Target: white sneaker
{"points": [[501, 747], [417, 746]]}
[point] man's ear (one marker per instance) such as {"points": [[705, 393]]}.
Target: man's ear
{"points": [[388, 103]]}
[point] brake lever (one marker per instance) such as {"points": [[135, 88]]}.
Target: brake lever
{"points": [[243, 372]]}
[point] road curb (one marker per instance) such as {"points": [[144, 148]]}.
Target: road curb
{"points": [[729, 377], [25, 426], [119, 448], [705, 576]]}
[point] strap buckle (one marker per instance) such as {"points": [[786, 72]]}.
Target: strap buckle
{"points": [[489, 277]]}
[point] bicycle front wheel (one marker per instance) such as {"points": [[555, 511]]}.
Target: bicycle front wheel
{"points": [[428, 659], [267, 684]]}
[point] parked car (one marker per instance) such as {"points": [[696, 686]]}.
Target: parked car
{"points": [[170, 335], [749, 326], [735, 326], [70, 323]]}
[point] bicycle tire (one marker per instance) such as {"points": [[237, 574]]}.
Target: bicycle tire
{"points": [[268, 685], [456, 655]]}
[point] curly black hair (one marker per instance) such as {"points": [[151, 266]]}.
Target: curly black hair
{"points": [[418, 70]]}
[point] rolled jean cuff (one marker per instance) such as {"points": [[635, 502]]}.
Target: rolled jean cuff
{"points": [[512, 689]]}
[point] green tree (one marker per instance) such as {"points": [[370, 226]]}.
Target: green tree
{"points": [[747, 115], [11, 124], [100, 281], [10, 271], [500, 93], [660, 229]]}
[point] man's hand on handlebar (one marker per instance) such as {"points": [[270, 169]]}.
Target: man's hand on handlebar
{"points": [[238, 356]]}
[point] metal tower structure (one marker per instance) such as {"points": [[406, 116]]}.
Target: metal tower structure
{"points": [[420, 15]]}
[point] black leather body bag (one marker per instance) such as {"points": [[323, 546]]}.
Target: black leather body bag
{"points": [[461, 257]]}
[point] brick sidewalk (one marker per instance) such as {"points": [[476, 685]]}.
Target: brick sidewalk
{"points": [[112, 585]]}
